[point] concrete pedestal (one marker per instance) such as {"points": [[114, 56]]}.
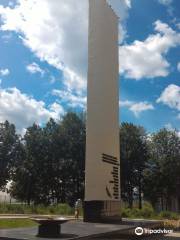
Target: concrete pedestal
{"points": [[49, 230], [102, 211], [49, 227]]}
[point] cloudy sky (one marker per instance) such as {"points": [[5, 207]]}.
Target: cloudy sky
{"points": [[43, 60]]}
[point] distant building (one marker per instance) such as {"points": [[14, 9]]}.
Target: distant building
{"points": [[5, 197]]}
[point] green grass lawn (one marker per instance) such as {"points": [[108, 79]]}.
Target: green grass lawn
{"points": [[59, 209], [16, 223]]}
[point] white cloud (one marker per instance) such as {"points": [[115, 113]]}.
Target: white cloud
{"points": [[6, 37], [52, 79], [12, 3], [165, 2], [23, 110], [178, 66], [126, 103], [35, 68], [168, 4], [71, 99], [56, 31], [169, 127], [146, 59], [171, 97], [4, 72], [136, 107], [121, 8], [178, 25], [56, 110]]}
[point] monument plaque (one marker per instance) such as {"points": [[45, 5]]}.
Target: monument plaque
{"points": [[102, 171]]}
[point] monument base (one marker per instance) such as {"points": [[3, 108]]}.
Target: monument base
{"points": [[102, 211], [49, 230]]}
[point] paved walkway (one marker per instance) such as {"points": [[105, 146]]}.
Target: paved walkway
{"points": [[174, 236], [70, 230], [80, 229]]}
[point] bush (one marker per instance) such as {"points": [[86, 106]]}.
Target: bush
{"points": [[147, 211], [131, 213], [19, 209], [11, 208], [136, 213], [61, 209], [126, 212], [168, 215]]}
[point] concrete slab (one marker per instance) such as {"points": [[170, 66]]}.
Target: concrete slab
{"points": [[79, 230]]}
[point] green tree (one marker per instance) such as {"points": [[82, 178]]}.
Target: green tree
{"points": [[162, 172], [133, 155], [52, 169], [73, 135], [9, 151], [27, 177]]}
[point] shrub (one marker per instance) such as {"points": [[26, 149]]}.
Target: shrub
{"points": [[11, 208], [61, 209], [126, 212], [169, 215], [131, 213], [147, 211]]}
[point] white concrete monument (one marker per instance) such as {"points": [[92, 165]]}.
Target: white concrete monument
{"points": [[102, 170]]}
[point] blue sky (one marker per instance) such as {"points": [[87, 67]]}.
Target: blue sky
{"points": [[43, 63]]}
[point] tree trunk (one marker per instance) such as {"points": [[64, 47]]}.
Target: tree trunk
{"points": [[140, 191], [130, 197], [162, 204]]}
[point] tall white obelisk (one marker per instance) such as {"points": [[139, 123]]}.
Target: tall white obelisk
{"points": [[102, 170]]}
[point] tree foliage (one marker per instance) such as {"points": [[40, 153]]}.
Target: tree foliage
{"points": [[46, 165], [161, 176], [133, 155], [52, 169], [10, 151]]}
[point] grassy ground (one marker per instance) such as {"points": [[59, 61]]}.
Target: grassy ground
{"points": [[16, 223], [59, 209], [148, 212]]}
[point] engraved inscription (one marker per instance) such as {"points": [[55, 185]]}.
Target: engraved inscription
{"points": [[115, 175]]}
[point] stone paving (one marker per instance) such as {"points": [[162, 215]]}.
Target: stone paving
{"points": [[173, 236], [81, 230], [70, 230]]}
